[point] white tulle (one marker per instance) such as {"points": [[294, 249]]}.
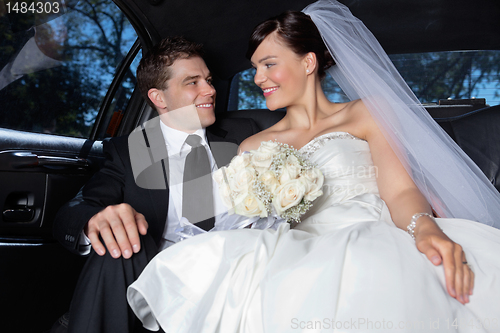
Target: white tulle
{"points": [[449, 179]]}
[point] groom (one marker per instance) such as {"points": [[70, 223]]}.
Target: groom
{"points": [[127, 211]]}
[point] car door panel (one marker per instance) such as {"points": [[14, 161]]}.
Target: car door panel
{"points": [[38, 174], [52, 118], [38, 177]]}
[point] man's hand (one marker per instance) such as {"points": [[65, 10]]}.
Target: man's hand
{"points": [[119, 227]]}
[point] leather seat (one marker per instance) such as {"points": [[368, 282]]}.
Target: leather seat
{"points": [[476, 132]]}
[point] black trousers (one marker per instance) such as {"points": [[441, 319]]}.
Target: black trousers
{"points": [[99, 304]]}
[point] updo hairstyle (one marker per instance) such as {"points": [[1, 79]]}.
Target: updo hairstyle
{"points": [[299, 33]]}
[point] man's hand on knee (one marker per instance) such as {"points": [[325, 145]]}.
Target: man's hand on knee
{"points": [[119, 227]]}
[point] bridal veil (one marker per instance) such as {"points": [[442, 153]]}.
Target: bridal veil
{"points": [[449, 179]]}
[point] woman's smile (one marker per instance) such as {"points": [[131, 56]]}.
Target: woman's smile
{"points": [[269, 91]]}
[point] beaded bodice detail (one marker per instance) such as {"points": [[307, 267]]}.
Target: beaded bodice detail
{"points": [[312, 146], [347, 166]]}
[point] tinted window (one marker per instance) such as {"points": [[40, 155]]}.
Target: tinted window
{"points": [[113, 115], [56, 69], [431, 76], [456, 75]]}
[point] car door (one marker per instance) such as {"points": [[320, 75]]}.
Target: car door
{"points": [[67, 78]]}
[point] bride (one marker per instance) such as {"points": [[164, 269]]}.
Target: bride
{"points": [[351, 263]]}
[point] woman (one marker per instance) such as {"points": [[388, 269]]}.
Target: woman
{"points": [[347, 265]]}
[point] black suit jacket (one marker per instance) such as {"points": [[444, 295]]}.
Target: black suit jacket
{"points": [[117, 183]]}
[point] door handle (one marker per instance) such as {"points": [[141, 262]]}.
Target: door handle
{"points": [[28, 159], [18, 215], [18, 208]]}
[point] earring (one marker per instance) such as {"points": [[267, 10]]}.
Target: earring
{"points": [[307, 71]]}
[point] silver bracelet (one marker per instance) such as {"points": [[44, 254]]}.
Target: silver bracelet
{"points": [[411, 227]]}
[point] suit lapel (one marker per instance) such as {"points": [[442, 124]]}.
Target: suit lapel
{"points": [[159, 155], [222, 149], [156, 142]]}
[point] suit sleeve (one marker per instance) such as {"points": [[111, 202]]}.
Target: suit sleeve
{"points": [[103, 189]]}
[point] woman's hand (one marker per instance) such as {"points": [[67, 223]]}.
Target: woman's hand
{"points": [[431, 241]]}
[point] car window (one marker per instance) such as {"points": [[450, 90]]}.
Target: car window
{"points": [[57, 64], [113, 111], [432, 76]]}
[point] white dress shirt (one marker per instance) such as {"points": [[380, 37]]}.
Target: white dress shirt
{"points": [[177, 150]]}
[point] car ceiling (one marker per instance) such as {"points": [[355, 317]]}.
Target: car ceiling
{"points": [[402, 26]]}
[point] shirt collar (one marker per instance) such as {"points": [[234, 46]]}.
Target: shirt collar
{"points": [[175, 139]]}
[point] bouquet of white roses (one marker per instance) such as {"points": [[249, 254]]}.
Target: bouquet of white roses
{"points": [[275, 176]]}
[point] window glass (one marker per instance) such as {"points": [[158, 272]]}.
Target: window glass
{"points": [[456, 75], [57, 67], [115, 111], [432, 76]]}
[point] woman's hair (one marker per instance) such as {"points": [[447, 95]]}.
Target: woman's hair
{"points": [[298, 32]]}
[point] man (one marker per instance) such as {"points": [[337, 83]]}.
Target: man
{"points": [[126, 210]]}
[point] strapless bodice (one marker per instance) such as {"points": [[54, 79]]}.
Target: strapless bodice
{"points": [[346, 163], [350, 179]]}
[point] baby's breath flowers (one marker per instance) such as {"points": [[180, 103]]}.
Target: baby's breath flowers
{"points": [[273, 177]]}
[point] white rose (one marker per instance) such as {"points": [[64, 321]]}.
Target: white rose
{"points": [[288, 195], [230, 172], [261, 161], [248, 205], [284, 177], [218, 176], [313, 180], [291, 169], [242, 180], [293, 166], [269, 180], [225, 194], [240, 162], [270, 147]]}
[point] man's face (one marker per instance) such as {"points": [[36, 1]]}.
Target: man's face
{"points": [[189, 99]]}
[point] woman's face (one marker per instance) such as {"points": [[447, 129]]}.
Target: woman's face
{"points": [[280, 73]]}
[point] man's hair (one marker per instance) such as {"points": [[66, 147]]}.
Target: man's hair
{"points": [[154, 68]]}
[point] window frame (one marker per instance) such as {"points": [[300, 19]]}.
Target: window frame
{"points": [[120, 73]]}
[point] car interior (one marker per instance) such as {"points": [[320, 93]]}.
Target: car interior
{"points": [[51, 138]]}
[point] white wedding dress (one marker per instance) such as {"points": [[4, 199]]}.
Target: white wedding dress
{"points": [[346, 266]]}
